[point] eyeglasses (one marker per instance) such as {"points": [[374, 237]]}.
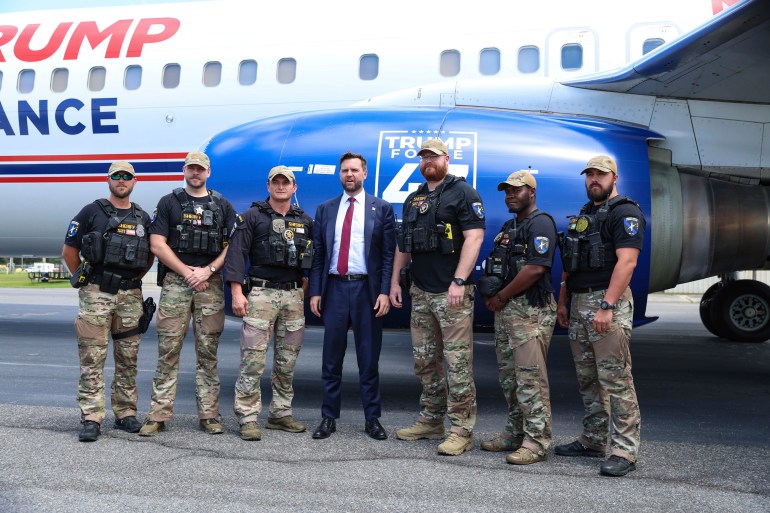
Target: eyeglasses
{"points": [[121, 176], [431, 157]]}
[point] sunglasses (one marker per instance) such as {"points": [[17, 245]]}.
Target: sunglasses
{"points": [[121, 176]]}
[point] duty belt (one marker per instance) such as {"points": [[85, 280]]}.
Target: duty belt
{"points": [[349, 277], [281, 285], [587, 289], [135, 283]]}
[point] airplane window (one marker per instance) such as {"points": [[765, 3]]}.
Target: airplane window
{"points": [[171, 75], [450, 63], [489, 61], [369, 67], [247, 72], [571, 57], [529, 59], [60, 80], [97, 78], [212, 74], [651, 44], [133, 78], [26, 80], [287, 70]]}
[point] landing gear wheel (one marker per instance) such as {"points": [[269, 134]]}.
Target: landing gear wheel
{"points": [[705, 307], [740, 311]]}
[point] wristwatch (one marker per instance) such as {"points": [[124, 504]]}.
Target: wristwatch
{"points": [[212, 269], [459, 281], [606, 306]]}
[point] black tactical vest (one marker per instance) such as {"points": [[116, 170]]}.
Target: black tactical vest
{"points": [[508, 256], [419, 231], [582, 248], [288, 243], [123, 243], [202, 230]]}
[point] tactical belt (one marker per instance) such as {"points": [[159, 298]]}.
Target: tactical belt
{"points": [[135, 283], [587, 289], [349, 277], [281, 285]]}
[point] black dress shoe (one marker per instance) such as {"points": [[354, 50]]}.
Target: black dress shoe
{"points": [[128, 424], [325, 429], [375, 430], [90, 431]]}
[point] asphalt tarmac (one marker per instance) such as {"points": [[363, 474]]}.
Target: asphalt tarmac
{"points": [[705, 407]]}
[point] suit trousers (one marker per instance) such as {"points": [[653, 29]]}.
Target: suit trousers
{"points": [[348, 304]]}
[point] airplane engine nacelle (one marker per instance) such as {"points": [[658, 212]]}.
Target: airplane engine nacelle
{"points": [[704, 226], [485, 146]]}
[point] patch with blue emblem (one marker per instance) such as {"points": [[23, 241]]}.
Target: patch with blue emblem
{"points": [[542, 244], [631, 225], [73, 229], [154, 214], [478, 209]]}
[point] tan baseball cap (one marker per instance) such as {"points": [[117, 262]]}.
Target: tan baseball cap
{"points": [[435, 146], [281, 170], [602, 163], [121, 166], [517, 179], [197, 157]]}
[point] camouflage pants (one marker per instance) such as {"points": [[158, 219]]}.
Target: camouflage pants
{"points": [[178, 303], [439, 334], [522, 337], [603, 365], [99, 315], [270, 311]]}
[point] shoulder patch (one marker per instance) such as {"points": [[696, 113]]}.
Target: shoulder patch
{"points": [[73, 229], [154, 214], [478, 209], [631, 225], [542, 244]]}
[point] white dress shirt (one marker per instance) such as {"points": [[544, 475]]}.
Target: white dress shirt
{"points": [[356, 255]]}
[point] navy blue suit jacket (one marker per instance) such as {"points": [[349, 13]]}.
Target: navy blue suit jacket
{"points": [[379, 242]]}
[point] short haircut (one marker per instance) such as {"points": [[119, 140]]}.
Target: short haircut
{"points": [[350, 155]]}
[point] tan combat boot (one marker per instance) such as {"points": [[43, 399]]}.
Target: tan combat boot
{"points": [[524, 456], [420, 430], [456, 444], [250, 431], [501, 443], [211, 426], [288, 423], [152, 427]]}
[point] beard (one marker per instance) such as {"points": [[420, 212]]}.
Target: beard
{"points": [[600, 194], [355, 186], [200, 183], [434, 171], [121, 193]]}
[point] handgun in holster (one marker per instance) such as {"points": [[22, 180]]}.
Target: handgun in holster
{"points": [[162, 270], [83, 272], [148, 310], [405, 279]]}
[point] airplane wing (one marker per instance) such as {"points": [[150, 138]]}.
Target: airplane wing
{"points": [[727, 59]]}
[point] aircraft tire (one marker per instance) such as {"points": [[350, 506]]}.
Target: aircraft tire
{"points": [[740, 311], [705, 308]]}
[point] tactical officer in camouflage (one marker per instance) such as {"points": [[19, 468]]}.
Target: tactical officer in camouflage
{"points": [[189, 236], [599, 254], [517, 286], [111, 237], [276, 238], [441, 234]]}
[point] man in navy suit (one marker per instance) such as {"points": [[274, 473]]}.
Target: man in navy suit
{"points": [[355, 240]]}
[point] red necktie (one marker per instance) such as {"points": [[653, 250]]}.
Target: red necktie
{"points": [[347, 224]]}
